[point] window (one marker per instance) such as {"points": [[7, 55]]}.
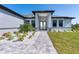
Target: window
{"points": [[54, 23], [33, 23], [26, 21], [60, 23]]}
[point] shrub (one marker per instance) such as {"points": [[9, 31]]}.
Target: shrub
{"points": [[8, 35], [1, 38], [25, 28], [30, 27], [4, 34], [32, 35], [20, 37], [17, 33], [25, 33], [33, 29]]}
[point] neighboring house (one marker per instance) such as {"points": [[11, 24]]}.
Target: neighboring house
{"points": [[41, 20]]}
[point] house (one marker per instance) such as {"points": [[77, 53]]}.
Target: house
{"points": [[41, 20]]}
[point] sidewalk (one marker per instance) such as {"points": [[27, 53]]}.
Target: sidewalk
{"points": [[44, 44]]}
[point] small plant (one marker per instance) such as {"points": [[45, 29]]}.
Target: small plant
{"points": [[30, 36], [1, 38], [25, 28], [30, 27], [4, 34], [17, 33], [33, 33], [8, 35], [33, 29], [20, 37], [25, 33]]}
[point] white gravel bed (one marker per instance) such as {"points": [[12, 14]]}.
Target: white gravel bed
{"points": [[39, 44]]}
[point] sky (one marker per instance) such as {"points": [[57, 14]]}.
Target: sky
{"points": [[71, 10]]}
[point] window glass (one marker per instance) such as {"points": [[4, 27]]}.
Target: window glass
{"points": [[60, 23], [33, 23], [54, 23], [26, 21]]}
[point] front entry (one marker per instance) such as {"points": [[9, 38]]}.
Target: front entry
{"points": [[43, 25]]}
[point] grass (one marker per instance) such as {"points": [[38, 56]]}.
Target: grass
{"points": [[65, 42]]}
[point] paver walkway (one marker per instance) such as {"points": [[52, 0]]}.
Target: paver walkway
{"points": [[44, 43], [39, 44]]}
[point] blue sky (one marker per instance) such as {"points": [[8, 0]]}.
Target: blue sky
{"points": [[60, 9]]}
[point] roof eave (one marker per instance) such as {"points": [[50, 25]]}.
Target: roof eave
{"points": [[11, 11], [43, 11], [65, 17]]}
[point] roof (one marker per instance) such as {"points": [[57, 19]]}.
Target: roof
{"points": [[43, 11], [30, 16], [11, 11], [67, 17]]}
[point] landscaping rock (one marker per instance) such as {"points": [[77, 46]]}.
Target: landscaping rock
{"points": [[39, 44]]}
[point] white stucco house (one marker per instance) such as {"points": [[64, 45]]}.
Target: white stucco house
{"points": [[41, 20]]}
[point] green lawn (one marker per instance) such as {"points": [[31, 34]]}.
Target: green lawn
{"points": [[65, 42]]}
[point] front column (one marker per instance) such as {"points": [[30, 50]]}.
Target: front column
{"points": [[36, 22], [49, 22], [57, 23], [30, 22]]}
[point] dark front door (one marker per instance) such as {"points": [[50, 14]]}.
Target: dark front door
{"points": [[43, 25]]}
